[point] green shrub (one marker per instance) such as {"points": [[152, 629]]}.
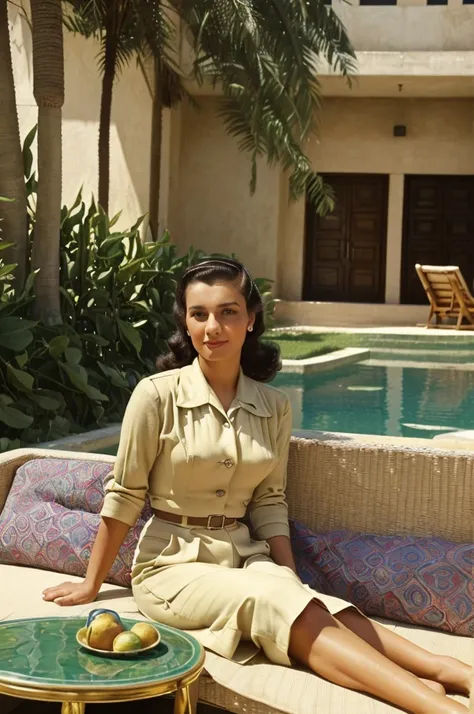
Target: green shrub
{"points": [[117, 296]]}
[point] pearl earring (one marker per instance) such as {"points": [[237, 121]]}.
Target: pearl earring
{"points": [[250, 328]]}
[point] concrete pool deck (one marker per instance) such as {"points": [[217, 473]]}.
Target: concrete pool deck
{"points": [[107, 438], [322, 363], [101, 439]]}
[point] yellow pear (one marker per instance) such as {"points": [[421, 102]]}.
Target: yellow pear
{"points": [[127, 642], [105, 616], [102, 631], [82, 634], [147, 633]]}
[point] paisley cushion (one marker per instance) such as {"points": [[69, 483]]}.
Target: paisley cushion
{"points": [[421, 581], [51, 518]]}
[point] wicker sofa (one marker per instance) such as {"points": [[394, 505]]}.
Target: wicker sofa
{"points": [[378, 488]]}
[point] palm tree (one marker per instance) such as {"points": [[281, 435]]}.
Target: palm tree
{"points": [[264, 54], [167, 92], [125, 30], [12, 184], [48, 88]]}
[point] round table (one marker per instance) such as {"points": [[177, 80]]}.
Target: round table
{"points": [[40, 659]]}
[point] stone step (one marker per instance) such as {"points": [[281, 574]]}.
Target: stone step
{"points": [[460, 345], [427, 355]]}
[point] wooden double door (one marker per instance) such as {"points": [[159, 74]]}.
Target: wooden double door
{"points": [[345, 251], [438, 229]]}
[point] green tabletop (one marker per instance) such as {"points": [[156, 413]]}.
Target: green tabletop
{"points": [[43, 653]]}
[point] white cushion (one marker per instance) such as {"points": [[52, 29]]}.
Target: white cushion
{"points": [[282, 689], [21, 595]]}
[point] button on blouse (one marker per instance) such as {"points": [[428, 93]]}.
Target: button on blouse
{"points": [[179, 446]]}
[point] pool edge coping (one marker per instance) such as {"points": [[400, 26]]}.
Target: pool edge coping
{"points": [[91, 441], [348, 355], [97, 439], [87, 441]]}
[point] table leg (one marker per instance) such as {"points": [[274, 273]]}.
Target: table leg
{"points": [[193, 696], [182, 702], [73, 708]]}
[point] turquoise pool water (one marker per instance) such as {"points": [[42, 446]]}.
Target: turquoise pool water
{"points": [[387, 399]]}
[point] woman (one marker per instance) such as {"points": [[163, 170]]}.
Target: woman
{"points": [[208, 441]]}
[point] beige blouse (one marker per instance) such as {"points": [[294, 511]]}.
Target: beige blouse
{"points": [[192, 458]]}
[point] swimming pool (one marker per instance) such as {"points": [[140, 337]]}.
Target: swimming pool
{"points": [[386, 399]]}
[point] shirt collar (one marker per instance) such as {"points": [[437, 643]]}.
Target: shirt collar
{"points": [[194, 390]]}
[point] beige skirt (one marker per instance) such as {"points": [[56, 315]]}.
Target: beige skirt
{"points": [[223, 587]]}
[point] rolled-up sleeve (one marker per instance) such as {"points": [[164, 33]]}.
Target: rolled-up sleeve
{"points": [[268, 509], [127, 485]]}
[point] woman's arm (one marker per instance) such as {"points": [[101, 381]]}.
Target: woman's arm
{"points": [[110, 537], [125, 491], [268, 510], [280, 550]]}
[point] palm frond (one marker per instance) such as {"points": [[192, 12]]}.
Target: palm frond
{"points": [[140, 28], [265, 54]]}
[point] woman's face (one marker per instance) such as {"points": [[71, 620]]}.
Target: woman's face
{"points": [[217, 319]]}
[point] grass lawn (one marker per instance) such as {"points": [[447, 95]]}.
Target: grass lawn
{"points": [[304, 345]]}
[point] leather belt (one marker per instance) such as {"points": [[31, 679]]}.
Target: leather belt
{"points": [[212, 523]]}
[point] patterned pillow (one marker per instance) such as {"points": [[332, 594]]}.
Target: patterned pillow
{"points": [[422, 581], [51, 517]]}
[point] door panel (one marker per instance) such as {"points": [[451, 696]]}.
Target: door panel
{"points": [[438, 229], [345, 251]]}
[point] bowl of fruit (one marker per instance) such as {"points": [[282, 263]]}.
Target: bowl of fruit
{"points": [[105, 633]]}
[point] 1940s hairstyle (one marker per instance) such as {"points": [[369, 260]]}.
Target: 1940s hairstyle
{"points": [[259, 360]]}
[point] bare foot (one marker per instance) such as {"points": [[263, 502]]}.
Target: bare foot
{"points": [[456, 676]]}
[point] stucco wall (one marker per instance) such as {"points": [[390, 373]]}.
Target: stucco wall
{"points": [[356, 135], [215, 211], [396, 28], [130, 129]]}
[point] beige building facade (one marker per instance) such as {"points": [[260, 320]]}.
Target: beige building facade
{"points": [[397, 146], [405, 198]]}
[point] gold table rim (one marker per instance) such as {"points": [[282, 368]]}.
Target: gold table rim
{"points": [[103, 694]]}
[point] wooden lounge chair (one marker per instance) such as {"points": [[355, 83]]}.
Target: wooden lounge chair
{"points": [[448, 294]]}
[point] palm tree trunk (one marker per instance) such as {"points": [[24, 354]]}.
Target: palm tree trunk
{"points": [[48, 87], [110, 61], [13, 215], [155, 153]]}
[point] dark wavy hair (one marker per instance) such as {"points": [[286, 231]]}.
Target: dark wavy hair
{"points": [[259, 360]]}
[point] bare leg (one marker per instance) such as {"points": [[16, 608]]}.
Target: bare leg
{"points": [[451, 673], [435, 686], [331, 650]]}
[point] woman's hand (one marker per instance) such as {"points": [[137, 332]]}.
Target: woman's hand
{"points": [[68, 594], [110, 537]]}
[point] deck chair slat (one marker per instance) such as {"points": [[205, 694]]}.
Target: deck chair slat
{"points": [[448, 294], [436, 279], [443, 294]]}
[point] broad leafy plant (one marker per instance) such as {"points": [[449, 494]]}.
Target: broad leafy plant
{"points": [[116, 302]]}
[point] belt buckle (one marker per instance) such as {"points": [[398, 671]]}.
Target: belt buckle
{"points": [[221, 525]]}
